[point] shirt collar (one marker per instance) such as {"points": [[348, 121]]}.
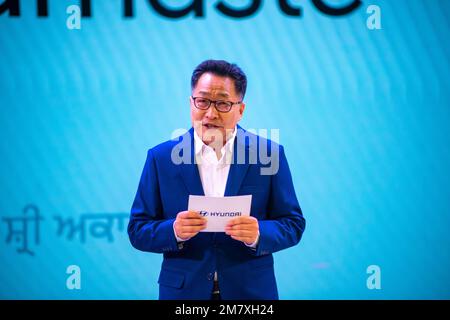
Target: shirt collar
{"points": [[199, 145]]}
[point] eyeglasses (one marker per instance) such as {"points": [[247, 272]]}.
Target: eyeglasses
{"points": [[220, 105]]}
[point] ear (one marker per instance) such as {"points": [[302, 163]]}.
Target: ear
{"points": [[241, 109]]}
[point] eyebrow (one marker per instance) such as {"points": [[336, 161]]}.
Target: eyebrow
{"points": [[225, 95]]}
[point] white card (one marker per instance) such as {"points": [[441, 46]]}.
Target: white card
{"points": [[219, 210]]}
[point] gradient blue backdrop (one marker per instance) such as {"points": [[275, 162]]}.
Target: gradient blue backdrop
{"points": [[364, 116]]}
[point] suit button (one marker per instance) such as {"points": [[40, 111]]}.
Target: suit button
{"points": [[210, 276]]}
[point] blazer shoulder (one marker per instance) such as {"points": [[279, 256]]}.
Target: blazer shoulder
{"points": [[166, 148], [255, 141]]}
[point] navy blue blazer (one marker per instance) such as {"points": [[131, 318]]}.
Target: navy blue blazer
{"points": [[170, 175]]}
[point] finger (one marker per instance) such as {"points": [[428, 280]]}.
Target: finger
{"points": [[189, 214], [187, 229], [241, 233], [242, 227], [247, 240], [192, 233], [242, 220], [248, 227], [192, 222], [188, 235]]}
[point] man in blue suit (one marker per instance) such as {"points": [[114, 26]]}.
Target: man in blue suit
{"points": [[216, 157]]}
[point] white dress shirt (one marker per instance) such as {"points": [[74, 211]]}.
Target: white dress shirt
{"points": [[214, 172]]}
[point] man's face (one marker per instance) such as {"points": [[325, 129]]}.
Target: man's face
{"points": [[212, 125]]}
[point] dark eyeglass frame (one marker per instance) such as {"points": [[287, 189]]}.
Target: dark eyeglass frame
{"points": [[230, 103]]}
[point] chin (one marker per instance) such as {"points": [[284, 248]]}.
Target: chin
{"points": [[212, 131], [212, 135]]}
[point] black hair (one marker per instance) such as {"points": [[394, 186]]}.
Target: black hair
{"points": [[224, 69]]}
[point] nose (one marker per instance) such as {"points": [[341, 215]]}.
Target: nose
{"points": [[212, 112]]}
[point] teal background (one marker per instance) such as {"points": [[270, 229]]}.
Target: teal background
{"points": [[364, 116]]}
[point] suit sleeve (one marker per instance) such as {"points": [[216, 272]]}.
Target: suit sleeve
{"points": [[147, 228], [285, 222]]}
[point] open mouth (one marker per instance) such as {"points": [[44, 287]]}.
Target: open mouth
{"points": [[210, 126]]}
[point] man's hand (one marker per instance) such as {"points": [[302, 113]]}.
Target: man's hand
{"points": [[188, 224], [245, 229]]}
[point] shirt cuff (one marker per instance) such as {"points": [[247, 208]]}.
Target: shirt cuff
{"points": [[176, 237], [254, 244]]}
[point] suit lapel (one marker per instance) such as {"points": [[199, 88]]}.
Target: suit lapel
{"points": [[238, 170], [189, 171]]}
